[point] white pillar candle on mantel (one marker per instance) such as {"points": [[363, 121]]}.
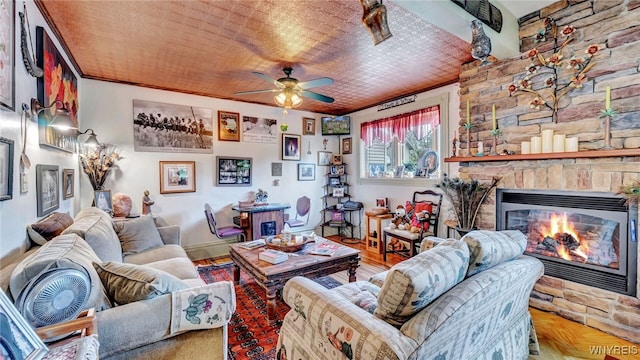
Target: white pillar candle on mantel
{"points": [[558, 142], [480, 147], [525, 147], [571, 144], [547, 141], [536, 144]]}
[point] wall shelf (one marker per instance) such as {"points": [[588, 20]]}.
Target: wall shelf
{"points": [[548, 156]]}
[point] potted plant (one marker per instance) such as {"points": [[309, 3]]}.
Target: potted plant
{"points": [[466, 197]]}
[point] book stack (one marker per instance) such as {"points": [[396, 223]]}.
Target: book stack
{"points": [[273, 256], [253, 244], [324, 249]]}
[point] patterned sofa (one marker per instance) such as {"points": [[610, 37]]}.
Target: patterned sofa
{"points": [[461, 299], [138, 272]]}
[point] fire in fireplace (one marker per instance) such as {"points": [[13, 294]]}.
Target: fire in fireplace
{"points": [[579, 236]]}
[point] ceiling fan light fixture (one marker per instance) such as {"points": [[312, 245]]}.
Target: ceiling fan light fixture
{"points": [[288, 99]]}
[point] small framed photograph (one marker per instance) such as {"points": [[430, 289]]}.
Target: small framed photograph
{"points": [[336, 170], [291, 147], [234, 171], [67, 183], [346, 146], [102, 200], [47, 189], [6, 169], [337, 159], [334, 181], [306, 172], [399, 171], [338, 192], [337, 216], [19, 340], [276, 169], [324, 158], [382, 203], [228, 126], [420, 172], [177, 177], [308, 126]]}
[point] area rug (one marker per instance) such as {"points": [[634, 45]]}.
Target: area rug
{"points": [[250, 334]]}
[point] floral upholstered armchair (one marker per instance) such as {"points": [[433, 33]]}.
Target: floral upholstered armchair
{"points": [[461, 299]]}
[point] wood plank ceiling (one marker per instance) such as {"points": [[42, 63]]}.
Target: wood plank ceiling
{"points": [[211, 48]]}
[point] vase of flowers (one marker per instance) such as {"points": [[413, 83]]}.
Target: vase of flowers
{"points": [[466, 197], [97, 163]]}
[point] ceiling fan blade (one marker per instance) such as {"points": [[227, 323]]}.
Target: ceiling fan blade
{"points": [[316, 96], [268, 79], [315, 83], [257, 91]]}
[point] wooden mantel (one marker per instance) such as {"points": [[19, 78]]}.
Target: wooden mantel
{"points": [[548, 156]]}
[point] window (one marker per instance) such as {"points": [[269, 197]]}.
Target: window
{"points": [[407, 145]]}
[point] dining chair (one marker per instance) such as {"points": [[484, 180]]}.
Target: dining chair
{"points": [[223, 232], [303, 205]]}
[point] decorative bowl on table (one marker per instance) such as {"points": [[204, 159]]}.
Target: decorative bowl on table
{"points": [[275, 242]]}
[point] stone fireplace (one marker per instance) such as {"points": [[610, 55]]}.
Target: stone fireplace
{"points": [[613, 25], [588, 238]]}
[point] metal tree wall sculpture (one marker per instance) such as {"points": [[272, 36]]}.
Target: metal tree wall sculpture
{"points": [[543, 75]]}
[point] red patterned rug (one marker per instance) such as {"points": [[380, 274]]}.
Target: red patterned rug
{"points": [[250, 334]]}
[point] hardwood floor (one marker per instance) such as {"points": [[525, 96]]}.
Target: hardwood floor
{"points": [[560, 339]]}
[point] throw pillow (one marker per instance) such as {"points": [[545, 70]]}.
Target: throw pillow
{"points": [[138, 235], [416, 210], [49, 227], [413, 284], [489, 248], [127, 283]]}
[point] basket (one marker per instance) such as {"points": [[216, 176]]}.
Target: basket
{"points": [[287, 248]]}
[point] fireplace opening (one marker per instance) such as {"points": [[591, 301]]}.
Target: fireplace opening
{"points": [[579, 236], [571, 236]]}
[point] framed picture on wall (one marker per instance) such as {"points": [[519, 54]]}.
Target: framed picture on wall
{"points": [[6, 169], [228, 126], [290, 147], [308, 126], [47, 189], [177, 177], [324, 158], [7, 45], [233, 171], [306, 172], [57, 85], [16, 330], [67, 183], [162, 127], [346, 146]]}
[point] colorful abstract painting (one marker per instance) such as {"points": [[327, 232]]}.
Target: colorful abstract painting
{"points": [[58, 83]]}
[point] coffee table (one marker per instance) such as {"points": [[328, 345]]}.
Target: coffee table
{"points": [[273, 277]]}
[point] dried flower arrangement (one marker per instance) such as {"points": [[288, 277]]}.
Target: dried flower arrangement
{"points": [[97, 162], [550, 68], [466, 197]]}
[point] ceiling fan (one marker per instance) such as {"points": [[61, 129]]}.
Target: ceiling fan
{"points": [[291, 89]]}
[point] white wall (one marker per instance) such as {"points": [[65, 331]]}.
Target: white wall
{"points": [[109, 112], [398, 192], [107, 109], [22, 209]]}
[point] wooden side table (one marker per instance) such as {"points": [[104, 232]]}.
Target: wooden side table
{"points": [[373, 243]]}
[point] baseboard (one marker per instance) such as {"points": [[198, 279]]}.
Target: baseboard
{"points": [[214, 249]]}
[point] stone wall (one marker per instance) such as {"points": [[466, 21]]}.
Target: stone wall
{"points": [[614, 25]]}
